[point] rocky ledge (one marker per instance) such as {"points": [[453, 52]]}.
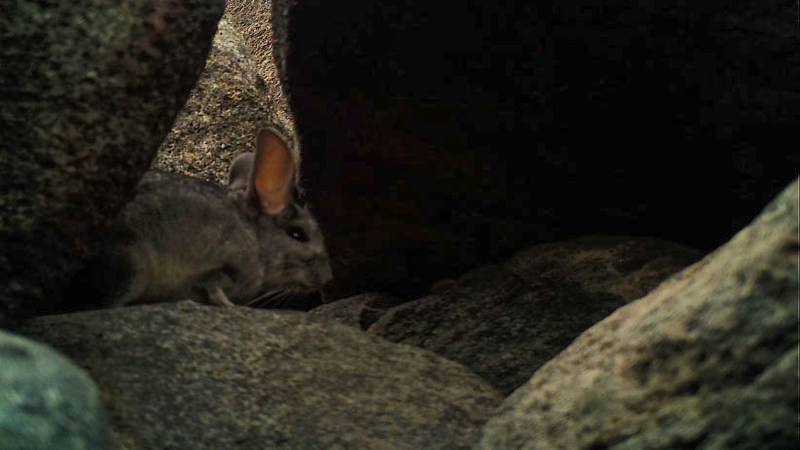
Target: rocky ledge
{"points": [[708, 358]]}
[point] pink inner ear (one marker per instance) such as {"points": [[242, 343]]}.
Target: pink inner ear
{"points": [[272, 172]]}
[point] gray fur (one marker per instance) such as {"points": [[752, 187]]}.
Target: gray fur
{"points": [[186, 238]]}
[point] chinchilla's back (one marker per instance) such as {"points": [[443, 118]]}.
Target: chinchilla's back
{"points": [[179, 230]]}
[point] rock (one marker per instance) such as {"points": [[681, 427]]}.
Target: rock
{"points": [[89, 91], [624, 266], [182, 375], [254, 21], [707, 360], [359, 311], [225, 110], [505, 321], [46, 402]]}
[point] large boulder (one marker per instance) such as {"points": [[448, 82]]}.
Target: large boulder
{"points": [[46, 402], [182, 375], [89, 91], [707, 360], [504, 321]]}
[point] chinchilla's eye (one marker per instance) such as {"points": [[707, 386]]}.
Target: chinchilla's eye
{"points": [[297, 234]]}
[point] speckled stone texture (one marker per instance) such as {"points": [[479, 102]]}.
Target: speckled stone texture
{"points": [[265, 38], [707, 360], [89, 90], [504, 321], [228, 105], [186, 376], [358, 311], [46, 402]]}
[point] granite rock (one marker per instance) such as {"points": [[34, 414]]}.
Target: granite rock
{"points": [[225, 110], [183, 375], [89, 90], [504, 321], [707, 360], [358, 311]]}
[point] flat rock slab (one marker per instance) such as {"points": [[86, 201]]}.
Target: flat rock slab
{"points": [[46, 402], [707, 360], [179, 376], [505, 321]]}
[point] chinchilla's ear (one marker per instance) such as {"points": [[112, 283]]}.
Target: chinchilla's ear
{"points": [[271, 176], [239, 173]]}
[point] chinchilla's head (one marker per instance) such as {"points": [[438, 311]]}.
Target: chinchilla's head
{"points": [[291, 246]]}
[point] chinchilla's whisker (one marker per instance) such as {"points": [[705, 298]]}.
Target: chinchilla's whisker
{"points": [[262, 296], [278, 298], [256, 299], [271, 298]]}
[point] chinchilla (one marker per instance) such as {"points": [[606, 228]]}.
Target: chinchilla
{"points": [[184, 238]]}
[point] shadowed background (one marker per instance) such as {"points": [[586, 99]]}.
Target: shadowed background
{"points": [[440, 137]]}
